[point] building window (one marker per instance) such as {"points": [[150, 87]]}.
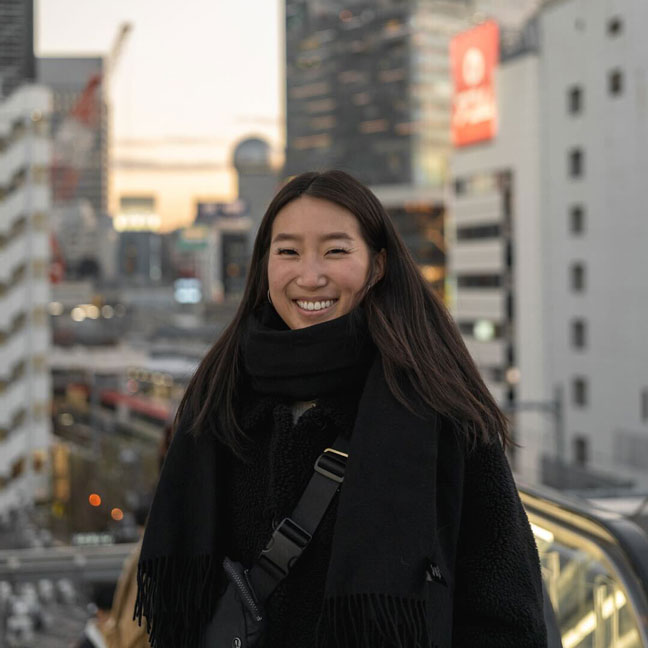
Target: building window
{"points": [[577, 219], [575, 100], [614, 26], [17, 468], [494, 374], [581, 450], [577, 277], [482, 330], [40, 174], [576, 163], [479, 281], [477, 184], [615, 82], [471, 232], [39, 460], [39, 221], [644, 405], [319, 141], [579, 391], [578, 334], [373, 126]]}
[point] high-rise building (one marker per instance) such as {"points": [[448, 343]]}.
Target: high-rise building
{"points": [[17, 44], [549, 236], [367, 88], [368, 91], [25, 152], [68, 78], [368, 83]]}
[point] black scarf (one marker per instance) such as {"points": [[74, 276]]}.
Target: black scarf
{"points": [[389, 579], [308, 363]]}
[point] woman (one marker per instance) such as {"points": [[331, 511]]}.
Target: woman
{"points": [[427, 544]]}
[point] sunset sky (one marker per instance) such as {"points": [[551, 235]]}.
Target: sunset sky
{"points": [[192, 80]]}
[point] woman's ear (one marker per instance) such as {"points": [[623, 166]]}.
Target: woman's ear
{"points": [[380, 263]]}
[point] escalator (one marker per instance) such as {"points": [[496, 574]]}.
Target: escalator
{"points": [[595, 572]]}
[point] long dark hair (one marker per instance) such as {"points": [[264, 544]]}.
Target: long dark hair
{"points": [[420, 344]]}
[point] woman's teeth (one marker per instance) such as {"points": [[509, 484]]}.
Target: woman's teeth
{"points": [[318, 305]]}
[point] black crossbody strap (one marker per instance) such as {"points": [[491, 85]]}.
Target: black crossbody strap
{"points": [[293, 534]]}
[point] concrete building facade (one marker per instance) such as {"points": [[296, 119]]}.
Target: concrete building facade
{"points": [[557, 301], [594, 75], [495, 258], [25, 152]]}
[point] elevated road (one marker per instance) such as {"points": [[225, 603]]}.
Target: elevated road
{"points": [[81, 564]]}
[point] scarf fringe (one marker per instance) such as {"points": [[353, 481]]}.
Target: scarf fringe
{"points": [[177, 598], [374, 620]]}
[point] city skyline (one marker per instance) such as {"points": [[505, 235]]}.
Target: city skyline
{"points": [[172, 133]]}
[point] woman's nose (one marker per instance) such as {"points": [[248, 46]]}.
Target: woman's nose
{"points": [[311, 274]]}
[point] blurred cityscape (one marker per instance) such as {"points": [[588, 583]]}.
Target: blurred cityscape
{"points": [[508, 140]]}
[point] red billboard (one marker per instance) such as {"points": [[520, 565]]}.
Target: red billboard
{"points": [[473, 57]]}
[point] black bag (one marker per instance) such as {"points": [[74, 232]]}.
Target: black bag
{"points": [[238, 621]]}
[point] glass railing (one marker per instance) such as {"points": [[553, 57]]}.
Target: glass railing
{"points": [[595, 572]]}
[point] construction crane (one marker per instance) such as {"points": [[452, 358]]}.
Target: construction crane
{"points": [[110, 62], [74, 139]]}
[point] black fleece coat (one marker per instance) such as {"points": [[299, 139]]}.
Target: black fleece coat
{"points": [[492, 560]]}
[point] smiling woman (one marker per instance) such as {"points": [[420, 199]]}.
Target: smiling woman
{"points": [[338, 476], [319, 266]]}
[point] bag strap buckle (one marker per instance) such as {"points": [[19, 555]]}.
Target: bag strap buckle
{"points": [[284, 547], [332, 464]]}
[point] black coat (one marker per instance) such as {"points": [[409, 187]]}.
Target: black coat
{"points": [[490, 557]]}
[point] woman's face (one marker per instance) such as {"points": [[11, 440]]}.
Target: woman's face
{"points": [[319, 263]]}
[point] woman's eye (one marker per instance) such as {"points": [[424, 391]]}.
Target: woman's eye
{"points": [[287, 251], [338, 251]]}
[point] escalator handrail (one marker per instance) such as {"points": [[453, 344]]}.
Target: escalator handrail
{"points": [[629, 537]]}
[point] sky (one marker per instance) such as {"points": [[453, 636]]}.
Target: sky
{"points": [[192, 80]]}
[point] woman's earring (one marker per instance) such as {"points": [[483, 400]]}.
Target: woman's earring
{"points": [[270, 300]]}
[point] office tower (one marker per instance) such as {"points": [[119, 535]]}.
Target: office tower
{"points": [[16, 44], [367, 88]]}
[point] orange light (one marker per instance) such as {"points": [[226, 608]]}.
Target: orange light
{"points": [[94, 500], [117, 514]]}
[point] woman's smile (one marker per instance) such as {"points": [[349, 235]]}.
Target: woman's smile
{"points": [[315, 307]]}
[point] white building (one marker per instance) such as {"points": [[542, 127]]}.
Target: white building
{"points": [[594, 75], [494, 254], [550, 232], [25, 152]]}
